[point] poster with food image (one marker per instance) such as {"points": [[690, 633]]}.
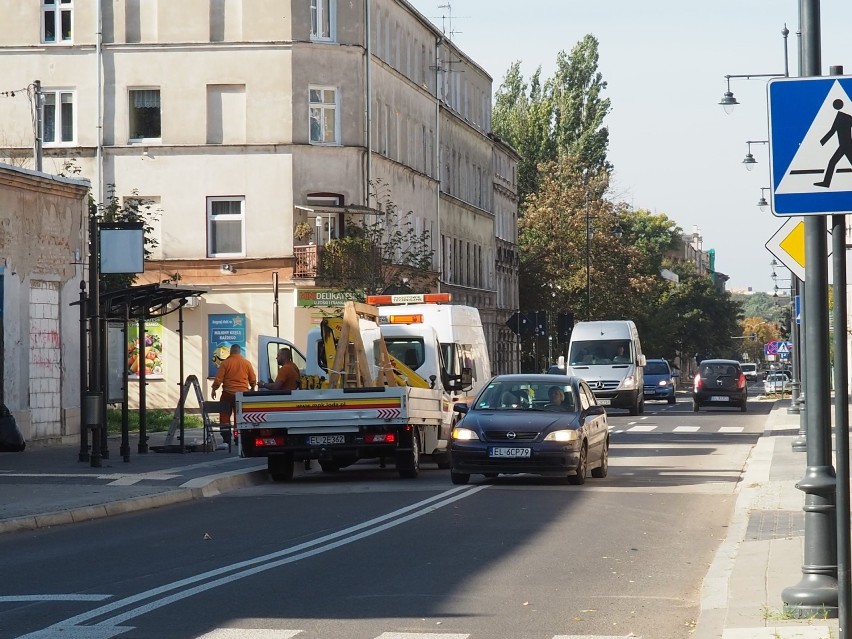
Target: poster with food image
{"points": [[224, 331], [151, 357]]}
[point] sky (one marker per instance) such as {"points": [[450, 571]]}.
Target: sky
{"points": [[674, 149]]}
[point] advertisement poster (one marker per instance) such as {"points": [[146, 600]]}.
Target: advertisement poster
{"points": [[224, 331], [153, 361]]}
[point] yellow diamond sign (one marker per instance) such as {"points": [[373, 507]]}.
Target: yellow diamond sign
{"points": [[788, 246]]}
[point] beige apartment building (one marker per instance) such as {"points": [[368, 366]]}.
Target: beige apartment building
{"points": [[239, 119]]}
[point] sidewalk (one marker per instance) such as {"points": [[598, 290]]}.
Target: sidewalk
{"points": [[763, 552], [47, 486]]}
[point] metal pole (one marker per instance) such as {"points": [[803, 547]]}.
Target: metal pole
{"points": [[588, 250], [841, 415], [93, 410], [816, 593], [182, 405], [794, 352], [102, 327], [84, 376], [142, 446], [39, 108], [125, 394]]}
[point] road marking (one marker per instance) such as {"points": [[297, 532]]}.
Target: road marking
{"points": [[249, 633], [105, 629], [419, 635], [68, 597], [641, 429], [686, 429], [731, 429]]}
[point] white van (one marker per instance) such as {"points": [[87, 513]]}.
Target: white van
{"points": [[608, 355], [460, 363]]}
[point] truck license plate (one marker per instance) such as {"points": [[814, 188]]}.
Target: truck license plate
{"points": [[510, 452], [325, 440]]}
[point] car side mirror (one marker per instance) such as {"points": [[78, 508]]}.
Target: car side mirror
{"points": [[642, 360], [460, 407]]}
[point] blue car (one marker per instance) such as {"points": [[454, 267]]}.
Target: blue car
{"points": [[660, 380]]}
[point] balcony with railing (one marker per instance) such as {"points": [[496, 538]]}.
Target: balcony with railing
{"points": [[307, 261]]}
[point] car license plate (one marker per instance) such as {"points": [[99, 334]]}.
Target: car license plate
{"points": [[325, 440], [719, 398], [604, 402], [510, 452]]}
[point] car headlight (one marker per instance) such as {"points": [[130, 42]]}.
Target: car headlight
{"points": [[464, 434], [663, 382], [628, 382], [562, 436]]}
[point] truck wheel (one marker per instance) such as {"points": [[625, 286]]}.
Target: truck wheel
{"points": [[408, 462], [280, 467]]}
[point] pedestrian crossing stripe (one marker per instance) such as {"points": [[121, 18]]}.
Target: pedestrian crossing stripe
{"points": [[809, 145], [686, 429]]}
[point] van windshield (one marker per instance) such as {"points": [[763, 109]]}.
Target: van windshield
{"points": [[615, 351]]}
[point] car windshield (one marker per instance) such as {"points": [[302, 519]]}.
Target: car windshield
{"points": [[515, 395], [612, 351], [747, 368], [656, 368]]}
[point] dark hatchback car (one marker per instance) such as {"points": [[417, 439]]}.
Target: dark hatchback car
{"points": [[720, 382], [549, 425]]}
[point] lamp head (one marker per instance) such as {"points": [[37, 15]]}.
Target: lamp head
{"points": [[749, 162], [728, 102], [762, 203]]}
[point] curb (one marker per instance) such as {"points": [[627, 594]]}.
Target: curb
{"points": [[199, 488]]}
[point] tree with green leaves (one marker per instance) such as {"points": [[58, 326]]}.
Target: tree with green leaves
{"points": [[693, 316], [563, 117], [379, 252]]}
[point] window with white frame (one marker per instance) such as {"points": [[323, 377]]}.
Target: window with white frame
{"points": [[144, 114], [56, 20], [225, 226], [323, 20], [323, 115], [58, 117]]}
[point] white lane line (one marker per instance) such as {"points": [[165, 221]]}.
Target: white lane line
{"points": [[250, 567], [731, 429], [686, 429], [419, 635], [64, 597], [249, 633]]}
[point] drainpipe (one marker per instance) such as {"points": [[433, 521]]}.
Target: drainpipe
{"points": [[368, 107], [438, 43], [99, 124]]}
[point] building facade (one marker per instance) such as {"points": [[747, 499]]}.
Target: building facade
{"points": [[42, 220], [240, 119]]}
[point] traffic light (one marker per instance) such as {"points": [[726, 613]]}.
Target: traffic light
{"points": [[564, 326], [540, 329]]}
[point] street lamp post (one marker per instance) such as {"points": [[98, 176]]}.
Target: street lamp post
{"points": [[588, 247]]}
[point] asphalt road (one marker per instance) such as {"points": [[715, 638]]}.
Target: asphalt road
{"points": [[364, 554]]}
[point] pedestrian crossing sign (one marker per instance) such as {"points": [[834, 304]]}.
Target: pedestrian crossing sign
{"points": [[810, 145]]}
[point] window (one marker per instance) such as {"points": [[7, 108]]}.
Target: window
{"points": [[56, 20], [322, 19], [144, 114], [225, 226], [323, 115], [58, 117]]}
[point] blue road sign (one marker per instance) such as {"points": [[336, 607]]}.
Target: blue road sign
{"points": [[798, 299], [810, 145]]}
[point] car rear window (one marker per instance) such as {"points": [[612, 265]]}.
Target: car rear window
{"points": [[718, 370]]}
